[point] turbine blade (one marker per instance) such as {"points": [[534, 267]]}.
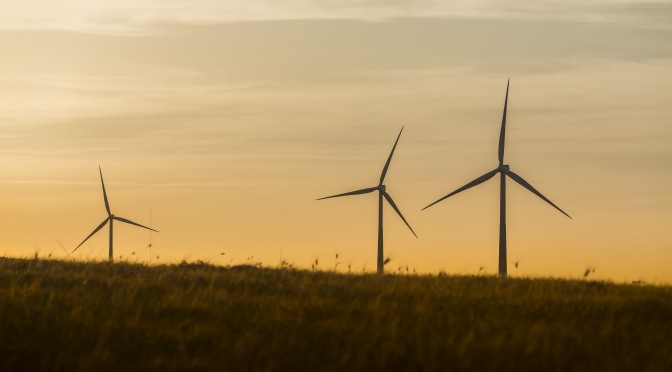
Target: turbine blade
{"points": [[502, 133], [90, 235], [133, 223], [387, 164], [471, 184], [357, 192], [526, 185], [389, 200], [107, 205]]}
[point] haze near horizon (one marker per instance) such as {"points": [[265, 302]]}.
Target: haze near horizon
{"points": [[230, 119]]}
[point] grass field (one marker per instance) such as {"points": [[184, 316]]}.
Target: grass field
{"points": [[58, 315]]}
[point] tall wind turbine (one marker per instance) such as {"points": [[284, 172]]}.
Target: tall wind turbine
{"points": [[110, 218], [504, 171], [382, 193]]}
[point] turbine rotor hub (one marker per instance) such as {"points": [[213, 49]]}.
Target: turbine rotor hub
{"points": [[381, 188], [503, 168]]}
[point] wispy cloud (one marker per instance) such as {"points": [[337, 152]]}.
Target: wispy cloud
{"points": [[199, 89], [140, 17]]}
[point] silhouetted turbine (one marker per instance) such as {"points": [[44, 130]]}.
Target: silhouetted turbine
{"points": [[110, 218], [382, 193], [504, 170]]}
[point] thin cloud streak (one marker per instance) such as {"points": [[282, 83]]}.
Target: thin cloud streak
{"points": [[153, 185], [140, 18]]}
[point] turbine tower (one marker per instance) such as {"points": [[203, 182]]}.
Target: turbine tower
{"points": [[382, 193], [110, 218], [504, 170]]}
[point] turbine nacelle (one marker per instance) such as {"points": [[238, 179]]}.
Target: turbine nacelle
{"points": [[503, 168], [382, 188]]}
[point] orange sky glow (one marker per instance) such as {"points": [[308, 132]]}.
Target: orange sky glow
{"points": [[228, 120]]}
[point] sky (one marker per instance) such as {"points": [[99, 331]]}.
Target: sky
{"points": [[229, 118]]}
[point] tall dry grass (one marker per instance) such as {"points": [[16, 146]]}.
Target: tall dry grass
{"points": [[72, 316]]}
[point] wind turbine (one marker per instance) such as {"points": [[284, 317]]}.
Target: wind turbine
{"points": [[110, 218], [382, 193], [504, 171]]}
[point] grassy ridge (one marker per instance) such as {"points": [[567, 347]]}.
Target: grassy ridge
{"points": [[96, 316]]}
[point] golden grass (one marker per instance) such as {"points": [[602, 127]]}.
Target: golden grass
{"points": [[72, 316]]}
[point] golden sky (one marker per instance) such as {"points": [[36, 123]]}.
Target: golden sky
{"points": [[229, 118]]}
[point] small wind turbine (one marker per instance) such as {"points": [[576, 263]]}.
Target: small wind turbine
{"points": [[504, 170], [382, 193], [110, 218]]}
